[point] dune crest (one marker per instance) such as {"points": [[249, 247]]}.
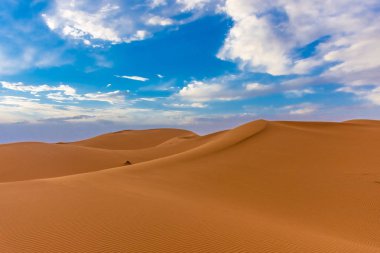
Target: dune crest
{"points": [[265, 186], [136, 139]]}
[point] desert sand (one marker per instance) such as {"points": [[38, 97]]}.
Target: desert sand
{"points": [[266, 186]]}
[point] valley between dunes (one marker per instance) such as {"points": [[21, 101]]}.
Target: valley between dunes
{"points": [[266, 186]]}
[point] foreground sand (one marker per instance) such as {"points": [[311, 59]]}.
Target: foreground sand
{"points": [[262, 187]]}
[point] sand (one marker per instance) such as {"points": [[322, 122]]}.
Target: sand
{"points": [[262, 187]]}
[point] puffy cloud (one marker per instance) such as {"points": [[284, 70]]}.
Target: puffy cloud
{"points": [[236, 87], [201, 91], [97, 21], [358, 58], [266, 37]]}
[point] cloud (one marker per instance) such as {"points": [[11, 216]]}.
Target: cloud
{"points": [[301, 109], [266, 37], [160, 21], [147, 99], [257, 87], [15, 109], [192, 105], [157, 3], [87, 21], [24, 44], [35, 89], [201, 92], [114, 97], [370, 94], [234, 87], [298, 93], [65, 92], [136, 78], [95, 22], [189, 5]]}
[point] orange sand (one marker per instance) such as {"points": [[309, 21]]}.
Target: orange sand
{"points": [[262, 187]]}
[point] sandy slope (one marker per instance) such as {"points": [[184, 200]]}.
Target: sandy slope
{"points": [[24, 161], [262, 187], [136, 139]]}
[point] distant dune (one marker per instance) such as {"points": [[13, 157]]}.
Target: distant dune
{"points": [[265, 186]]}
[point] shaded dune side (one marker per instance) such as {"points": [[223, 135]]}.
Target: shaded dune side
{"points": [[262, 187], [25, 161], [133, 139]]}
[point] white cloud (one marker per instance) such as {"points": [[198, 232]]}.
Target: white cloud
{"points": [[91, 21], [15, 109], [227, 88], [65, 93], [135, 78], [160, 21], [193, 4], [157, 3], [358, 57], [301, 109], [23, 44], [259, 50], [371, 95], [35, 89], [266, 35], [108, 85], [192, 105], [200, 91], [147, 99], [97, 21], [19, 55], [160, 76], [257, 87], [114, 97]]}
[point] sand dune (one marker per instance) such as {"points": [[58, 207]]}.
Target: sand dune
{"points": [[261, 187], [136, 139], [25, 161]]}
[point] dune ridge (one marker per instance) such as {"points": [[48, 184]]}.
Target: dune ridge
{"points": [[265, 186]]}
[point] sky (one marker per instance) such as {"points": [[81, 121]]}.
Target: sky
{"points": [[77, 68]]}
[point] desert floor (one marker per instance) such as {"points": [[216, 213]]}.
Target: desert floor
{"points": [[266, 186]]}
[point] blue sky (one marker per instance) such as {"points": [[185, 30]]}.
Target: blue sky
{"points": [[76, 68]]}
